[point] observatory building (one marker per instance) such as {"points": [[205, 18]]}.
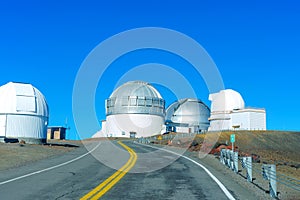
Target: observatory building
{"points": [[228, 112], [187, 116], [23, 113], [135, 109]]}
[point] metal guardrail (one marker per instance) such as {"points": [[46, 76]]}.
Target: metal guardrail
{"points": [[231, 160], [268, 171], [167, 137]]}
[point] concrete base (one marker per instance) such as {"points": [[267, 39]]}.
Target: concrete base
{"points": [[27, 140]]}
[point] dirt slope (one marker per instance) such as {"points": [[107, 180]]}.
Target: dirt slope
{"points": [[272, 147]]}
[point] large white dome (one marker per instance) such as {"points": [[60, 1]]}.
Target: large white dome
{"points": [[136, 88], [226, 100], [189, 111], [135, 97], [22, 98], [23, 112], [134, 107]]}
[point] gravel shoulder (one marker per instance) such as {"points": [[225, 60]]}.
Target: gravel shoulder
{"points": [[237, 185], [13, 155], [259, 188], [279, 148]]}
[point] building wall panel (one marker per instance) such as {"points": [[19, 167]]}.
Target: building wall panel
{"points": [[143, 125], [26, 126], [257, 121], [241, 119], [2, 125]]}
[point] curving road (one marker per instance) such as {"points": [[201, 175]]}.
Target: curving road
{"points": [[76, 173]]}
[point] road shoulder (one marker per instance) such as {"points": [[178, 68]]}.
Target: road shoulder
{"points": [[236, 184]]}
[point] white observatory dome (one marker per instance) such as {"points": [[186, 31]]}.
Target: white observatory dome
{"points": [[134, 107], [228, 113], [136, 88], [226, 100], [189, 111], [23, 112]]}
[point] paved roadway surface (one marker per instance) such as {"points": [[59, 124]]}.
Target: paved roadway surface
{"points": [[180, 180]]}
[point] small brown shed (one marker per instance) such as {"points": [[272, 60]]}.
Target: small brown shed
{"points": [[56, 132]]}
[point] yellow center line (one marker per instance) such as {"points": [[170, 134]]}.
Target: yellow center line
{"points": [[99, 187], [105, 186]]}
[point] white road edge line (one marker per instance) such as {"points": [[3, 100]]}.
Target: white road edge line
{"points": [[223, 188], [50, 168]]}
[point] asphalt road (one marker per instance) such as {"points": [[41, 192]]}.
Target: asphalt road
{"points": [[180, 180]]}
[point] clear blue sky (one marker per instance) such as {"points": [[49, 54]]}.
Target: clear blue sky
{"points": [[255, 45]]}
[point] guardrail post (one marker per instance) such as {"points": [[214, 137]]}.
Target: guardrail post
{"points": [[222, 156], [236, 161], [269, 173], [247, 163], [232, 160], [228, 158]]}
